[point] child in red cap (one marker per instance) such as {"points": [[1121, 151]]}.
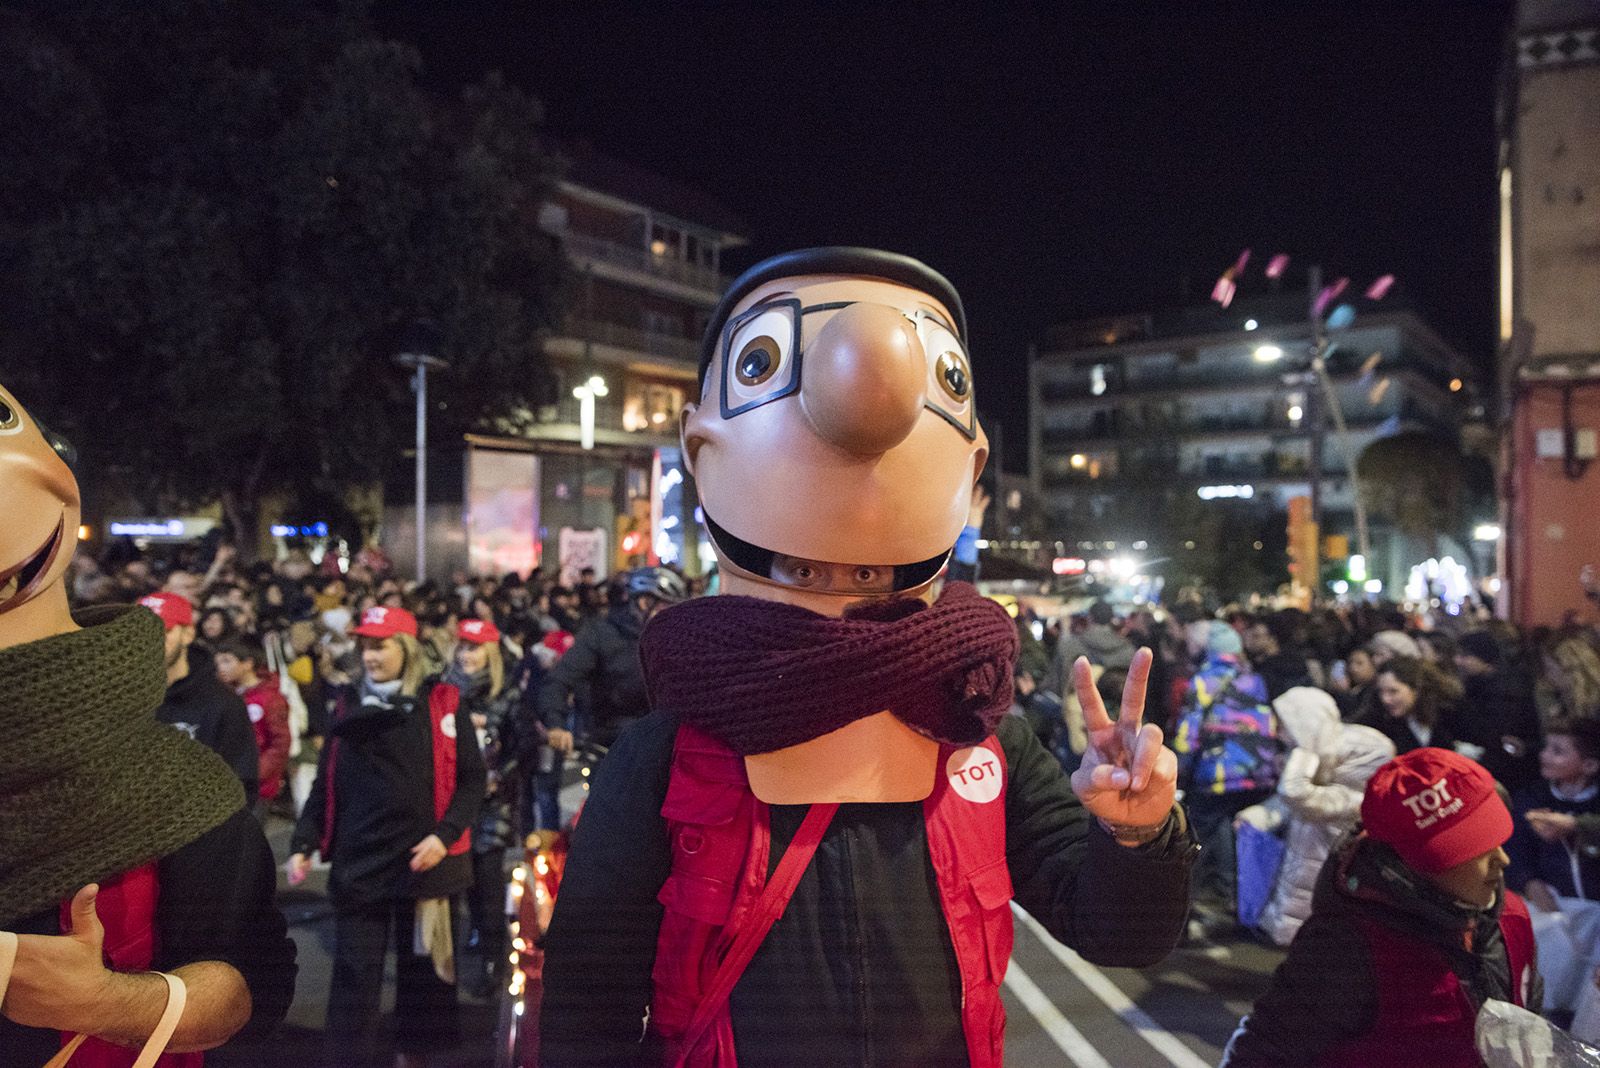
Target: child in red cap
{"points": [[1411, 930]]}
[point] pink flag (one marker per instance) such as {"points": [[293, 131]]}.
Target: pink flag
{"points": [[1238, 265], [1277, 265], [1224, 290], [1327, 296], [1380, 288]]}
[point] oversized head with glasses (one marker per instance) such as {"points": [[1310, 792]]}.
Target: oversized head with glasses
{"points": [[836, 444]]}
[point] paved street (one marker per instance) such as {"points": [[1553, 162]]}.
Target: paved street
{"points": [[1061, 1009]]}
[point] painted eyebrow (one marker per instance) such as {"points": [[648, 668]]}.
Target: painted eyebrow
{"points": [[939, 318]]}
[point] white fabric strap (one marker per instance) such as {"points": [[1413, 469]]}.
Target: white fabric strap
{"points": [[8, 958], [156, 1045]]}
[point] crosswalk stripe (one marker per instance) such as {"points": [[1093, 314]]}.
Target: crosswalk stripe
{"points": [[1176, 1053], [1068, 1038]]}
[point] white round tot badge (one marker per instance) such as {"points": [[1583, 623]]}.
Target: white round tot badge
{"points": [[447, 727], [975, 774]]}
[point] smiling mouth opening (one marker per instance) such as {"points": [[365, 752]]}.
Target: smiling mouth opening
{"points": [[18, 583], [758, 561]]}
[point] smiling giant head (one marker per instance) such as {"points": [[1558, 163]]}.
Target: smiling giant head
{"points": [[837, 443], [835, 449], [39, 499]]}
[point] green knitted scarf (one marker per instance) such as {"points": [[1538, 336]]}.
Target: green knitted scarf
{"points": [[91, 784]]}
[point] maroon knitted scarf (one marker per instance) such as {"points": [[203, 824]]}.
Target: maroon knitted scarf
{"points": [[759, 675]]}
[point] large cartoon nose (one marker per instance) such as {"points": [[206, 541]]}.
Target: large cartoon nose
{"points": [[863, 381]]}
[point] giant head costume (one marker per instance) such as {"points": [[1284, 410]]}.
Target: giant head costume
{"points": [[835, 449], [40, 501]]}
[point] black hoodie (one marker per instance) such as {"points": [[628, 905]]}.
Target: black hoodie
{"points": [[207, 711]]}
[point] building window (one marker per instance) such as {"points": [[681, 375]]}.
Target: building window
{"points": [[652, 406]]}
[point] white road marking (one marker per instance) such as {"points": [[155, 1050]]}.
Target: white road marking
{"points": [[1068, 1038], [1176, 1053]]}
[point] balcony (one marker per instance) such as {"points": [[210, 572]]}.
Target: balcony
{"points": [[686, 349], [582, 247]]}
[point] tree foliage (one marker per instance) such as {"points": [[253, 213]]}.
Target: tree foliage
{"points": [[1420, 483], [215, 220]]}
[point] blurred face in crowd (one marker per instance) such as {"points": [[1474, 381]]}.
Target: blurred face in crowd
{"points": [[177, 643], [1476, 882], [383, 658], [1471, 666], [1398, 698], [472, 657], [394, 599], [1360, 669], [1561, 761], [1259, 642], [231, 670]]}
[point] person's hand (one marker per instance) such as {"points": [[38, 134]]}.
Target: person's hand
{"points": [[296, 868], [426, 854], [559, 740], [58, 981], [978, 507], [1552, 826], [1128, 778], [1025, 685], [1540, 894]]}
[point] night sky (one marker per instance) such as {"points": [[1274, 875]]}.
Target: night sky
{"points": [[1055, 164]]}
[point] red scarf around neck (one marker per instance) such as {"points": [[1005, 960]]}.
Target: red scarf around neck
{"points": [[761, 675]]}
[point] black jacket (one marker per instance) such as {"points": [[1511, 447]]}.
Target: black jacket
{"points": [[1324, 994], [602, 675], [1552, 862], [859, 970], [1499, 704], [214, 902], [203, 708], [1282, 671], [383, 802]]}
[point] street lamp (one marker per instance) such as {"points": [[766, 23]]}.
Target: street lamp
{"points": [[1268, 354], [586, 394], [416, 353]]}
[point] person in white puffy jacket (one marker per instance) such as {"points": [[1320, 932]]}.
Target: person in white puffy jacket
{"points": [[1319, 796]]}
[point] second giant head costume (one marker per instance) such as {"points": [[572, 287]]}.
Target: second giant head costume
{"points": [[835, 449]]}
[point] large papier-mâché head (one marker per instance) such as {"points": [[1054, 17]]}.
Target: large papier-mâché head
{"points": [[835, 449], [836, 443], [40, 506]]}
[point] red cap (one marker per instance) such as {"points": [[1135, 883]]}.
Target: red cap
{"points": [[174, 609], [478, 631], [559, 640], [382, 622], [1435, 808]]}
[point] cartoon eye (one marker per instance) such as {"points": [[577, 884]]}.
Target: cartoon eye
{"points": [[9, 419], [953, 376], [757, 361]]}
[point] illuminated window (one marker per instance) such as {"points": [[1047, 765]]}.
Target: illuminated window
{"points": [[652, 406], [1506, 310]]}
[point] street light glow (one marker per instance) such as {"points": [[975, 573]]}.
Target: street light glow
{"points": [[1250, 324], [1486, 532], [1268, 354], [1079, 460]]}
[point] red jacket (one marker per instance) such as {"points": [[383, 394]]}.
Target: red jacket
{"points": [[269, 714], [1424, 1015], [126, 906], [721, 838]]}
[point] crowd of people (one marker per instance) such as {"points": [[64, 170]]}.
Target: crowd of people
{"points": [[1282, 718], [439, 716]]}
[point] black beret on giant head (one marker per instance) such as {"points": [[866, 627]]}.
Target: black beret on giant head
{"points": [[867, 262]]}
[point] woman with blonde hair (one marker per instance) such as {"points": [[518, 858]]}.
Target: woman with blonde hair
{"points": [[493, 702], [398, 786], [1572, 670]]}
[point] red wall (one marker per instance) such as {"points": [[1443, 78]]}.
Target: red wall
{"points": [[1553, 526]]}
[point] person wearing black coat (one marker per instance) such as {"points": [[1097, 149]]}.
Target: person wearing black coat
{"points": [[198, 704], [1498, 713], [601, 676], [1113, 904], [392, 874]]}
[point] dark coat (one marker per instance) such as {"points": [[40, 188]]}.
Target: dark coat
{"points": [[384, 802], [1499, 704], [1551, 862], [602, 675], [209, 712], [1325, 995], [860, 969]]}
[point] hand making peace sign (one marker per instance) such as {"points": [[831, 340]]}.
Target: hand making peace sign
{"points": [[1127, 778]]}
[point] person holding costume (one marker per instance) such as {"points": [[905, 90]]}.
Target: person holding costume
{"points": [[126, 847], [807, 852]]}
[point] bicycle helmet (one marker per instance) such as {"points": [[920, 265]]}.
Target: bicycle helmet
{"points": [[656, 582]]}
